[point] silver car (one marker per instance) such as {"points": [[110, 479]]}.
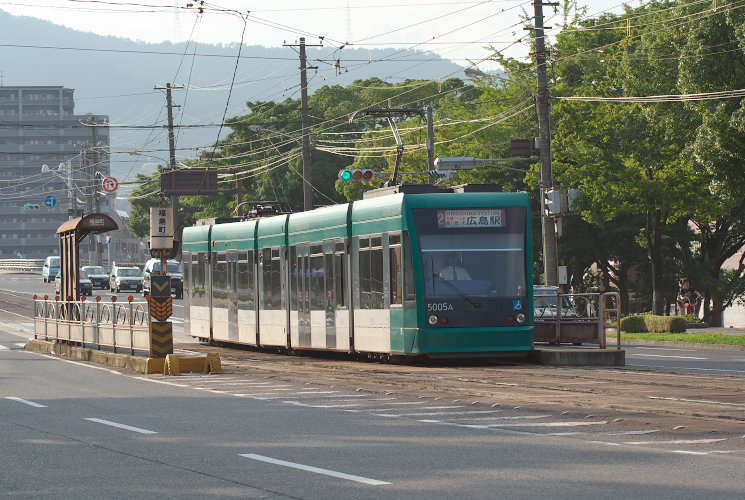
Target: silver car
{"points": [[125, 278]]}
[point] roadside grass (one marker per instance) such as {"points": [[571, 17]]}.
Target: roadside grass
{"points": [[696, 338]]}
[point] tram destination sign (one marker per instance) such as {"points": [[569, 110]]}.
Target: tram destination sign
{"points": [[470, 218]]}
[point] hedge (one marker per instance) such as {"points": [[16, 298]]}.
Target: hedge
{"points": [[633, 324], [651, 323]]}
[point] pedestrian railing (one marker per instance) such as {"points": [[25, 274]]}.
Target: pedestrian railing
{"points": [[576, 318], [94, 324], [25, 265]]}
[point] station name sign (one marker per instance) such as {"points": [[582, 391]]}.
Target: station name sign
{"points": [[470, 218], [161, 227]]}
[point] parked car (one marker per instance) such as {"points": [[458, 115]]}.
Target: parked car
{"points": [[125, 278], [98, 276], [175, 270], [85, 286], [50, 269]]}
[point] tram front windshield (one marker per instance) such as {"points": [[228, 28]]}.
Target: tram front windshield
{"points": [[486, 261]]}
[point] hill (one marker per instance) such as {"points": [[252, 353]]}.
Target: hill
{"points": [[117, 76]]}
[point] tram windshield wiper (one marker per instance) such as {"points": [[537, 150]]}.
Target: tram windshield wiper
{"points": [[457, 290]]}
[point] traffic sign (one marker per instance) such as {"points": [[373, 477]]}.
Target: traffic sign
{"points": [[110, 184], [50, 201]]}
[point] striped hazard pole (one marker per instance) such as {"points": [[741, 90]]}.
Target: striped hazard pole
{"points": [[161, 308]]}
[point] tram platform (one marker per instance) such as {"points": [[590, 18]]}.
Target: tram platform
{"points": [[578, 356]]}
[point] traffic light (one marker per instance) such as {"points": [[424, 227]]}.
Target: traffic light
{"points": [[31, 206], [356, 175]]}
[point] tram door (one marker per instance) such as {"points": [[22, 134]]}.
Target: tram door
{"points": [[303, 294], [329, 266], [232, 296]]}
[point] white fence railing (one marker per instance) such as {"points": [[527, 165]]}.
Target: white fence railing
{"points": [[124, 325], [26, 265]]}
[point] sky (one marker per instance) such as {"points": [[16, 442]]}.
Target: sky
{"points": [[455, 29]]}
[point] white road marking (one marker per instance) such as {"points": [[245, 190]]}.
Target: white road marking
{"points": [[26, 402], [662, 349], [504, 418], [298, 403], [664, 356], [120, 426], [697, 401], [73, 362], [716, 370], [21, 344], [15, 313], [317, 470], [447, 413], [4, 348], [679, 441], [160, 381], [548, 424]]}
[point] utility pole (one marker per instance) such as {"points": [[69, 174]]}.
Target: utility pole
{"points": [[550, 251], [431, 143], [172, 149], [96, 260], [305, 125]]}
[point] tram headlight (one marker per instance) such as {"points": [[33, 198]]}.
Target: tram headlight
{"points": [[520, 317], [432, 320]]}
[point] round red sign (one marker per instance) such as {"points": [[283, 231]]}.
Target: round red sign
{"points": [[110, 184]]}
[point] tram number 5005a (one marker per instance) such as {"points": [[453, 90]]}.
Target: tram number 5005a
{"points": [[439, 307]]}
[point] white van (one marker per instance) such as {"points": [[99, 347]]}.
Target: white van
{"points": [[50, 269]]}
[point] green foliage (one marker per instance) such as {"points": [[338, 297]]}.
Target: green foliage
{"points": [[696, 338], [634, 324], [653, 323], [658, 324]]}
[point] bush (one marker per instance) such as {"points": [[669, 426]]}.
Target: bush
{"points": [[651, 323], [660, 324], [633, 324]]}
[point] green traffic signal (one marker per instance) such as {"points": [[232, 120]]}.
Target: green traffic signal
{"points": [[345, 175]]}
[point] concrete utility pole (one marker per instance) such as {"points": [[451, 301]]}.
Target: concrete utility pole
{"points": [[305, 124], [431, 143], [172, 149], [550, 251], [97, 249]]}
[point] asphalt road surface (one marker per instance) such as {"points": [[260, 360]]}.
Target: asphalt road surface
{"points": [[325, 427], [72, 430]]}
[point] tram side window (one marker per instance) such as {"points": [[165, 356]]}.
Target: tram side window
{"points": [[394, 262], [245, 280], [371, 274], [198, 279], [339, 275], [317, 293], [272, 279], [409, 290], [220, 280]]}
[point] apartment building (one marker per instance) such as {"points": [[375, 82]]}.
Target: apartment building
{"points": [[38, 126]]}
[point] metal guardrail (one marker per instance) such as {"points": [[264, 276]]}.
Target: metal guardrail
{"points": [[94, 324], [28, 265], [577, 318]]}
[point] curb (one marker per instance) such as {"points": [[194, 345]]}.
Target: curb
{"points": [[689, 345]]}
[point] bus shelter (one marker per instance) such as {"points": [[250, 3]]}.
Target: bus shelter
{"points": [[71, 233]]}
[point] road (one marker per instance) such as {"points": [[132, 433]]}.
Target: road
{"points": [[18, 288], [76, 430], [332, 427]]}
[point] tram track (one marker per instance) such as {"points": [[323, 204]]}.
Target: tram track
{"points": [[622, 392]]}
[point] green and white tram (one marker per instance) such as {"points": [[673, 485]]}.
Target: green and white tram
{"points": [[435, 274]]}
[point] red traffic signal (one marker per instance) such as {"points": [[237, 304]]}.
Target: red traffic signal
{"points": [[356, 175]]}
